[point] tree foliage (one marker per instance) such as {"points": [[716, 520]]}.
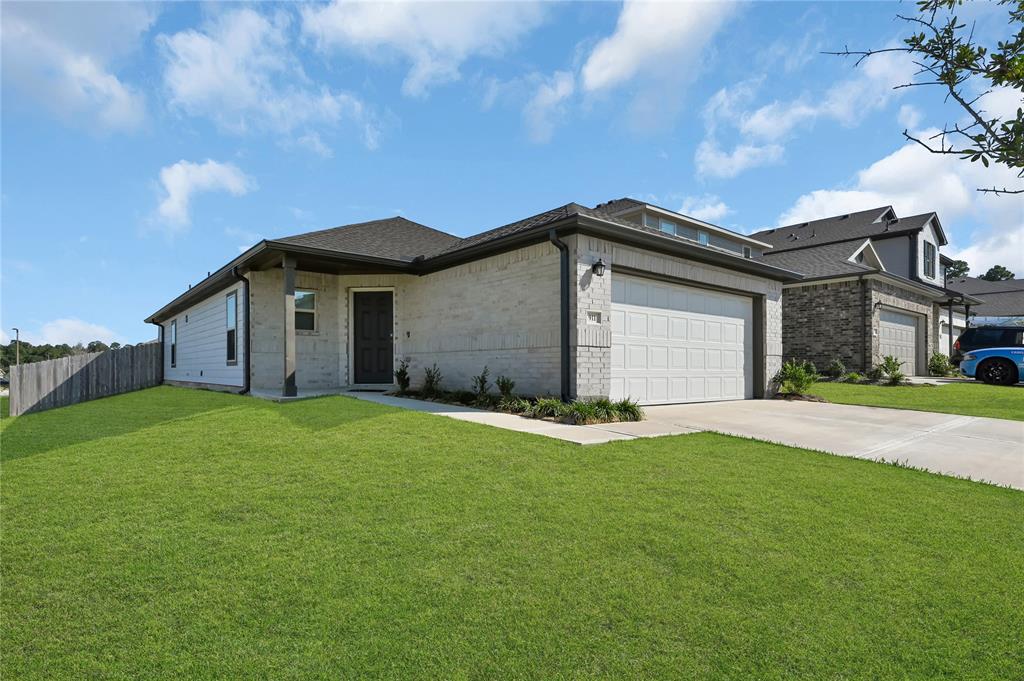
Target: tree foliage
{"points": [[40, 353], [997, 273], [949, 57], [957, 269]]}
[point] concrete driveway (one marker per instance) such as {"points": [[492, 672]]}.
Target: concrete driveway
{"points": [[966, 446]]}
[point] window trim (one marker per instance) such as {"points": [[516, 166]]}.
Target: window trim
{"points": [[703, 238], [748, 252], [315, 312], [174, 343], [930, 256], [229, 326]]}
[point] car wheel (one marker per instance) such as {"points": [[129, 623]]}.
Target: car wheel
{"points": [[998, 372]]}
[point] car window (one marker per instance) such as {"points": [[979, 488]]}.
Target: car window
{"points": [[991, 338]]}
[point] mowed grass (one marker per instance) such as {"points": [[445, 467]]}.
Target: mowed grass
{"points": [[173, 533], [969, 399]]}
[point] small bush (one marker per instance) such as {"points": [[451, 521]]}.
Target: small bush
{"points": [[547, 407], [835, 368], [809, 367], [514, 405], [402, 376], [853, 377], [939, 365], [481, 383], [432, 381], [605, 409], [581, 413], [505, 386], [628, 410], [890, 365], [896, 378], [875, 374], [795, 377]]}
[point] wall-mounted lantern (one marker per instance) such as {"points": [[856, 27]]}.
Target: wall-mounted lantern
{"points": [[599, 267]]}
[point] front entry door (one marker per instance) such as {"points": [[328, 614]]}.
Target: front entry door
{"points": [[373, 342]]}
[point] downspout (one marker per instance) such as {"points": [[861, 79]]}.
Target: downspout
{"points": [[563, 251], [247, 372]]}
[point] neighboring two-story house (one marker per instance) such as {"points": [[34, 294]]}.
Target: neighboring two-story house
{"points": [[622, 300], [873, 286]]}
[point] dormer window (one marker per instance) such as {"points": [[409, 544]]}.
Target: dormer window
{"points": [[929, 260], [702, 238], [668, 227]]}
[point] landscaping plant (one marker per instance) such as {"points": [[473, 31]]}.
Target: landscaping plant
{"points": [[628, 410], [547, 407], [853, 377], [890, 365], [505, 386], [514, 405], [835, 368], [795, 377], [939, 365], [402, 376], [875, 374], [481, 384], [431, 381]]}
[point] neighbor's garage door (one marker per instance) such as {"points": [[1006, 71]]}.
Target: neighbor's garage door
{"points": [[674, 343], [897, 336]]}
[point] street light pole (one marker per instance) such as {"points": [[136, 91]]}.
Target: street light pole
{"points": [[17, 346]]}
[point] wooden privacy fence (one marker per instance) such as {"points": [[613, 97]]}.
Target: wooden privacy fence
{"points": [[59, 382]]}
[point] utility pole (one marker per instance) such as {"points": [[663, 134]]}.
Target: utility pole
{"points": [[17, 346]]}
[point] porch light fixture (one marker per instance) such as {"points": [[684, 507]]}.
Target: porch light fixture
{"points": [[598, 267]]}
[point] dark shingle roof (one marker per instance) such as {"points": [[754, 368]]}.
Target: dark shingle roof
{"points": [[1005, 304], [617, 205], [866, 223], [819, 261], [392, 238], [511, 228], [983, 286]]}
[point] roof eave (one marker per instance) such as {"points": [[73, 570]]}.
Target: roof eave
{"points": [[705, 225]]}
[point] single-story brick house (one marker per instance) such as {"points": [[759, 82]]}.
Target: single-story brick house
{"points": [[873, 285], [623, 299]]}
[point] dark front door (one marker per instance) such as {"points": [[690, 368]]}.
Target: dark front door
{"points": [[373, 342]]}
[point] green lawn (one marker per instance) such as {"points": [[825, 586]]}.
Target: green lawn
{"points": [[174, 533], [970, 399]]}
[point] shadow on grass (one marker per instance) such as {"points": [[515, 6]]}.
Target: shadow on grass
{"points": [[42, 432]]}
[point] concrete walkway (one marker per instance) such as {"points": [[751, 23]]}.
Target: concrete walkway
{"points": [[965, 446]]}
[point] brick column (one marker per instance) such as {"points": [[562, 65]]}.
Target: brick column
{"points": [[290, 389]]}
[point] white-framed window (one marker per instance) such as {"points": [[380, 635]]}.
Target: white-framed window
{"points": [[667, 226], [746, 252], [703, 238], [174, 343], [305, 310], [231, 327], [929, 260]]}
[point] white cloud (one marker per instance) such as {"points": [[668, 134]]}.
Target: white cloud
{"points": [[247, 238], [708, 208], [712, 161], [547, 106], [61, 54], [435, 37], [312, 142], [239, 72], [70, 330], [185, 178], [653, 38], [909, 117], [915, 181]]}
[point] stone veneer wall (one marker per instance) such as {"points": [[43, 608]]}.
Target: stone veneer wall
{"points": [[824, 321], [591, 343]]}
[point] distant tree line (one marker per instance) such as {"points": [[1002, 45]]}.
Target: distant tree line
{"points": [[39, 353]]}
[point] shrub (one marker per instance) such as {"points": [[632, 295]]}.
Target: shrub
{"points": [[628, 410], [581, 413], [853, 377], [605, 409], [875, 374], [890, 365], [896, 378], [481, 383], [466, 397], [794, 378], [939, 365], [432, 381], [402, 376], [835, 368], [505, 386], [514, 405], [809, 367], [547, 407]]}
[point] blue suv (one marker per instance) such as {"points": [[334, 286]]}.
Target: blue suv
{"points": [[998, 366]]}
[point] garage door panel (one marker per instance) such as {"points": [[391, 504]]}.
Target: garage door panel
{"points": [[674, 343], [897, 336]]}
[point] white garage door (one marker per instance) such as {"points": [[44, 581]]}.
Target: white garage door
{"points": [[897, 336], [674, 343]]}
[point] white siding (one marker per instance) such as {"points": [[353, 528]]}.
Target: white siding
{"points": [[202, 342]]}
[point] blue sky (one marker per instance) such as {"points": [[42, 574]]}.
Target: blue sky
{"points": [[145, 144]]}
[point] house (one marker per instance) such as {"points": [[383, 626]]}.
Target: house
{"points": [[873, 285], [1001, 302], [623, 299]]}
